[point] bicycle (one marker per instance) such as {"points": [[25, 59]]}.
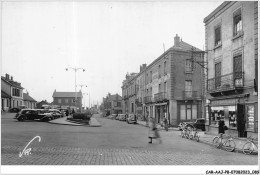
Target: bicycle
{"points": [[228, 144], [194, 134], [250, 146], [185, 133]]}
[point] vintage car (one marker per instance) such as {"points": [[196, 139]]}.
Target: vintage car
{"points": [[198, 124], [122, 117], [33, 114], [131, 119], [55, 113]]}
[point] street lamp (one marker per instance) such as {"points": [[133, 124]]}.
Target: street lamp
{"points": [[75, 70]]}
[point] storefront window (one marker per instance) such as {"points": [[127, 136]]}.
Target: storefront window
{"points": [[183, 112], [232, 119], [250, 117], [188, 112], [216, 114], [194, 111]]}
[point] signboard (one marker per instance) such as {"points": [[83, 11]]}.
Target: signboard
{"points": [[229, 102]]}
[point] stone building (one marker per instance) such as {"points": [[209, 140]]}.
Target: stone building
{"points": [[172, 85], [231, 43], [112, 104], [11, 92], [68, 99], [28, 101]]}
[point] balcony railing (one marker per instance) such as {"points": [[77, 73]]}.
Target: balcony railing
{"points": [[226, 82], [148, 99], [190, 94], [162, 96]]}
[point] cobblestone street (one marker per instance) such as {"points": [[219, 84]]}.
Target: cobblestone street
{"points": [[114, 143], [101, 156]]}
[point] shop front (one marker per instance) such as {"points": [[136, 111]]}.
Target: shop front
{"points": [[161, 111], [238, 115], [188, 110]]}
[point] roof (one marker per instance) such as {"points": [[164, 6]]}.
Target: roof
{"points": [[66, 94], [4, 95], [212, 14], [12, 83], [27, 97], [113, 97], [185, 47]]}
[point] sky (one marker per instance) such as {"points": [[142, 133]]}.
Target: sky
{"points": [[106, 38]]}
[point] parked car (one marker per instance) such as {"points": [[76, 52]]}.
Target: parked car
{"points": [[198, 124], [131, 119], [14, 110], [33, 114], [122, 117], [117, 117], [55, 113], [114, 116]]}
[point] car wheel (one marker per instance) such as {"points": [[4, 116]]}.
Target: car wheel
{"points": [[21, 118]]}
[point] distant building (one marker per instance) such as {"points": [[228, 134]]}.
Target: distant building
{"points": [[28, 101], [11, 92], [112, 104], [42, 103], [68, 99], [232, 53]]}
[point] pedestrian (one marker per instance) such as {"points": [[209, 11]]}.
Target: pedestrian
{"points": [[153, 132], [221, 124], [165, 124], [67, 112]]}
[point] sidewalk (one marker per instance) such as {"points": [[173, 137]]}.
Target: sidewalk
{"points": [[63, 121], [208, 138]]}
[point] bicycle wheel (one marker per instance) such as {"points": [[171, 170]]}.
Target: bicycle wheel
{"points": [[182, 133], [248, 148], [229, 145], [216, 141]]}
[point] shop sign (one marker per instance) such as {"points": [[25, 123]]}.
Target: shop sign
{"points": [[224, 102]]}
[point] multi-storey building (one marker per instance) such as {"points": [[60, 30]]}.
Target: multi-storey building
{"points": [[129, 93], [12, 92], [172, 85], [68, 99], [231, 45], [112, 104], [140, 93]]}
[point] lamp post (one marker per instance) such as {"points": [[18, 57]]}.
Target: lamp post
{"points": [[75, 70]]}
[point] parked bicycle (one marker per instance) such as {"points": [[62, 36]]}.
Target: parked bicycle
{"points": [[194, 134], [185, 131], [224, 141], [250, 146]]}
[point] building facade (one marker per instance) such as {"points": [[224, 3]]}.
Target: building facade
{"points": [[28, 101], [129, 93], [112, 104], [12, 93], [171, 86], [68, 99], [231, 44]]}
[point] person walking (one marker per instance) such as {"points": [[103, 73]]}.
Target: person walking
{"points": [[165, 121], [153, 132]]}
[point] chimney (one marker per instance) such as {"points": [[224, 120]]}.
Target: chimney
{"points": [[177, 41], [12, 78], [7, 76]]}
